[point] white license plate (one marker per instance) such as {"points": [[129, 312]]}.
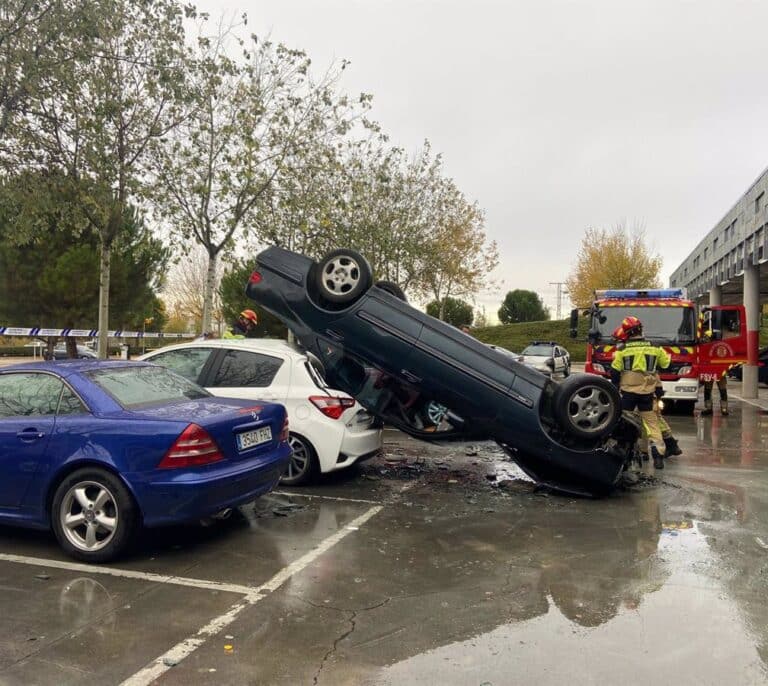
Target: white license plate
{"points": [[249, 439], [686, 389]]}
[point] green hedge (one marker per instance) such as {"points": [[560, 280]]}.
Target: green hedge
{"points": [[516, 336]]}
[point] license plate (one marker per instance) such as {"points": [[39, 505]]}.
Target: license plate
{"points": [[686, 389], [249, 439]]}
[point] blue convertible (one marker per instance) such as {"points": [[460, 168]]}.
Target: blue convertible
{"points": [[94, 450]]}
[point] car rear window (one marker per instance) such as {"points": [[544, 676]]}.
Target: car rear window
{"points": [[134, 387]]}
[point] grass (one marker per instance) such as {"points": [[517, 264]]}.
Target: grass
{"points": [[516, 336]]}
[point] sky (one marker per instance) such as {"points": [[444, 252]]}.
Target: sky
{"points": [[556, 115]]}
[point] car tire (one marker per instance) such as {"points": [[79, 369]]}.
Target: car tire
{"points": [[342, 276], [393, 289], [587, 406], [85, 505], [303, 466]]}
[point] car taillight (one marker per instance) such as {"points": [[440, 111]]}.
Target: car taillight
{"points": [[255, 277], [193, 448], [284, 432], [331, 407]]}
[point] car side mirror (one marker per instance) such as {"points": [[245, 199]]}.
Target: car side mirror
{"points": [[593, 336], [574, 323]]}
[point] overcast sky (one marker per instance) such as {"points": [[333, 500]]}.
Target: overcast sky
{"points": [[556, 116]]}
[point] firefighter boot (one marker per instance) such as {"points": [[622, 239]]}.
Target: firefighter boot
{"points": [[707, 411], [724, 408], [672, 447], [658, 460]]}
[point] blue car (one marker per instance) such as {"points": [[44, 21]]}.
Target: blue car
{"points": [[94, 450]]}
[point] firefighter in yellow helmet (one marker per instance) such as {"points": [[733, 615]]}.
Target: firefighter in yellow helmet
{"points": [[634, 371], [243, 325]]}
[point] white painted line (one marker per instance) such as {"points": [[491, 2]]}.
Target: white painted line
{"points": [[128, 574], [185, 648], [327, 497]]}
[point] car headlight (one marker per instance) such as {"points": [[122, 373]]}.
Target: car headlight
{"points": [[598, 368], [685, 371]]}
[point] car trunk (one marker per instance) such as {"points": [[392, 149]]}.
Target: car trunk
{"points": [[240, 429]]}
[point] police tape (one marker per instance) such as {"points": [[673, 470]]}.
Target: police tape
{"points": [[35, 331]]}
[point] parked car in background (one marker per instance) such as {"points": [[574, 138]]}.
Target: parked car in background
{"points": [[83, 352], [329, 429], [547, 357], [517, 357], [762, 369], [96, 449]]}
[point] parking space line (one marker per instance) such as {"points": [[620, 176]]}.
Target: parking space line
{"points": [[128, 574], [185, 648], [327, 497]]}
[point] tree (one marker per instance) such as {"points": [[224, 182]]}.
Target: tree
{"points": [[36, 38], [184, 290], [522, 306], [454, 311], [234, 301], [618, 258], [54, 281], [95, 117], [252, 116]]}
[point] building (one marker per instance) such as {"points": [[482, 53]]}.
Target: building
{"points": [[725, 267]]}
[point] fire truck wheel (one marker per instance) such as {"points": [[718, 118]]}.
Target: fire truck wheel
{"points": [[587, 406]]}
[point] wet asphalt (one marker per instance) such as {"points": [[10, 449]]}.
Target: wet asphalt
{"points": [[428, 565]]}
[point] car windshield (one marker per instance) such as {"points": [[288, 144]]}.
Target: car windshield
{"points": [[140, 386], [538, 351], [663, 324]]}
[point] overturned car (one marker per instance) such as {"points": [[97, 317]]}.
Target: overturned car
{"points": [[436, 383]]}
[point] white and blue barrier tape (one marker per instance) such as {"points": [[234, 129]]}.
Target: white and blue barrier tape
{"points": [[87, 333]]}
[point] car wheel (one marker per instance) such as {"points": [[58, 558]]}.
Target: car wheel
{"points": [[343, 276], [303, 465], [393, 289], [587, 406], [93, 515]]}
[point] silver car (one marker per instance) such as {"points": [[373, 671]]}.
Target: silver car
{"points": [[547, 357]]}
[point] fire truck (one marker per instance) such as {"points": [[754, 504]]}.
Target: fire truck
{"points": [[703, 344]]}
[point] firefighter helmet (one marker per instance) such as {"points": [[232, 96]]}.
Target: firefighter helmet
{"points": [[632, 326], [250, 315], [619, 334]]}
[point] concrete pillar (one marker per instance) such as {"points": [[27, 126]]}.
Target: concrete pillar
{"points": [[752, 305], [716, 295]]}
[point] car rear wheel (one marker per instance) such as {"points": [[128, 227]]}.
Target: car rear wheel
{"points": [[303, 466], [587, 406], [343, 276], [93, 515], [393, 289]]}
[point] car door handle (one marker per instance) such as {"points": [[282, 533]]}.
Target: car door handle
{"points": [[408, 376], [29, 435]]}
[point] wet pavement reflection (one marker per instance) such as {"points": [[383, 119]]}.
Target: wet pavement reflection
{"points": [[468, 575]]}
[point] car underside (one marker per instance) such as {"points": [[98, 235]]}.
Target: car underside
{"points": [[437, 383]]}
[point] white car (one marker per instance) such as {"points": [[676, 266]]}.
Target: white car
{"points": [[547, 357], [328, 429]]}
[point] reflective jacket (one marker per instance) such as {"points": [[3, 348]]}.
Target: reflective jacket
{"points": [[235, 331], [634, 367]]}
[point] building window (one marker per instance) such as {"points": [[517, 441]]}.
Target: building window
{"points": [[759, 202], [714, 246]]}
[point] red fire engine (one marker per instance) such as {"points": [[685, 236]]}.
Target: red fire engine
{"points": [[703, 345]]}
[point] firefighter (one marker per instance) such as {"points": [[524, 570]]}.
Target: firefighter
{"points": [[670, 442], [243, 325], [634, 372], [722, 387]]}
